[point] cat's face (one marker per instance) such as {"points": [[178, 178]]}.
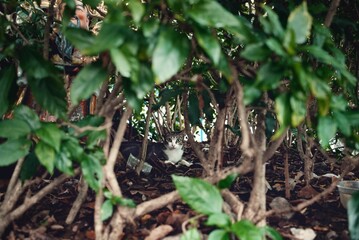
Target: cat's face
{"points": [[174, 140]]}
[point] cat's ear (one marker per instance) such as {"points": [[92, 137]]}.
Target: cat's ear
{"points": [[166, 132]]}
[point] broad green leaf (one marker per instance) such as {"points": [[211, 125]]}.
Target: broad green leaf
{"points": [[342, 122], [327, 129], [94, 137], [7, 82], [87, 82], [12, 150], [106, 210], [92, 3], [219, 234], [142, 81], [300, 21], [283, 111], [28, 115], [110, 36], [64, 163], [275, 27], [251, 93], [14, 128], [170, 53], [319, 88], [272, 233], [191, 234], [121, 62], [30, 167], [245, 230], [72, 146], [299, 108], [338, 103], [46, 155], [50, 134], [275, 46], [227, 182], [208, 43], [323, 56], [269, 75], [81, 38], [213, 14], [50, 94], [220, 220], [137, 10], [256, 52], [193, 109], [199, 195], [126, 202], [353, 216], [92, 171]]}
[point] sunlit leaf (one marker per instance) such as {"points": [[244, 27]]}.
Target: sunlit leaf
{"points": [[245, 230], [275, 27], [209, 43], [137, 10], [300, 21], [199, 194], [221, 220]]}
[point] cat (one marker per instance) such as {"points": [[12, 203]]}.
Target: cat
{"points": [[170, 150]]}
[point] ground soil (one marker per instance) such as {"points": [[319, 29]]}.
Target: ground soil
{"points": [[327, 217]]}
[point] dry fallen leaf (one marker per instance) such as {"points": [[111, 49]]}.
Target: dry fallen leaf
{"points": [[303, 234]]}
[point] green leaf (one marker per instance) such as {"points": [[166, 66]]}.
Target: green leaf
{"points": [[50, 134], [137, 10], [193, 109], [110, 36], [106, 210], [208, 43], [94, 137], [255, 52], [269, 75], [92, 171], [251, 93], [126, 202], [199, 195], [7, 82], [46, 155], [92, 3], [219, 234], [12, 150], [72, 146], [300, 21], [342, 122], [227, 182], [30, 167], [353, 216], [274, 26], [220, 220], [121, 62], [142, 81], [283, 111], [272, 233], [14, 128], [319, 88], [28, 115], [327, 129], [299, 108], [170, 53], [87, 82], [245, 230], [191, 234], [276, 47], [64, 163], [81, 38], [50, 94]]}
